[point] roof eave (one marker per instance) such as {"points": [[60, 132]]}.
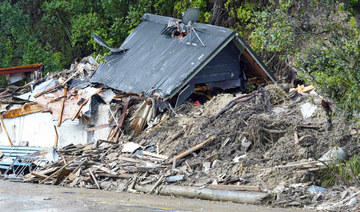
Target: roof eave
{"points": [[258, 61], [203, 64]]}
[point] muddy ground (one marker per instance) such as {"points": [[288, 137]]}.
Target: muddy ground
{"points": [[38, 198]]}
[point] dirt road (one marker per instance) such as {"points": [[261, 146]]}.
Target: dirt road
{"points": [[32, 197]]}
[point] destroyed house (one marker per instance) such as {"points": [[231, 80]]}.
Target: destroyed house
{"points": [[150, 62]]}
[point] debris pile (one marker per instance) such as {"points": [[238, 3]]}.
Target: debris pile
{"points": [[267, 142]]}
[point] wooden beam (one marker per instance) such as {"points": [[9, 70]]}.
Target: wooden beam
{"points": [[62, 107], [7, 134], [48, 90], [56, 137]]}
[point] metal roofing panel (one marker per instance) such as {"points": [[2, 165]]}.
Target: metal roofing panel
{"points": [[154, 62]]}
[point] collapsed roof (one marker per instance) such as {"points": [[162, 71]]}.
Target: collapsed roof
{"points": [[149, 62]]}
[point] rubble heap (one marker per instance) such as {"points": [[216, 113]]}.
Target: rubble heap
{"points": [[267, 143]]}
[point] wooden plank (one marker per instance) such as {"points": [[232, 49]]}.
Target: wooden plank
{"points": [[39, 175], [56, 138], [7, 134], [121, 176], [122, 118], [48, 90], [93, 177], [27, 108]]}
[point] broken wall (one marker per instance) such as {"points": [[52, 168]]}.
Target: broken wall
{"points": [[38, 129]]}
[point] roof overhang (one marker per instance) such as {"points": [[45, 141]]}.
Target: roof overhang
{"points": [[21, 69]]}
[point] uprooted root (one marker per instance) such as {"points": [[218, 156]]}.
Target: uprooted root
{"points": [[263, 131]]}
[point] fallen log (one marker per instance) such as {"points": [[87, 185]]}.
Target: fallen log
{"points": [[235, 188], [208, 194]]}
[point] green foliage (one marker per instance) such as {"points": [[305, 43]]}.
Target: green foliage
{"points": [[243, 12], [182, 5], [339, 172], [332, 64], [272, 31], [19, 46], [83, 26], [12, 37]]}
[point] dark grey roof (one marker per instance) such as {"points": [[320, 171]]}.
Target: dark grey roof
{"points": [[154, 62]]}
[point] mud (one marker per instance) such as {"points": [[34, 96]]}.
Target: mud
{"points": [[31, 197]]}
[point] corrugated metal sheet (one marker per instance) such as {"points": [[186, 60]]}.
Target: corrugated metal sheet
{"points": [[156, 63]]}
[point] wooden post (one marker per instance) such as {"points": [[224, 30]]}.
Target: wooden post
{"points": [[3, 124], [62, 107], [56, 138]]}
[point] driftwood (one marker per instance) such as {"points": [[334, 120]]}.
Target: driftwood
{"points": [[193, 149]]}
